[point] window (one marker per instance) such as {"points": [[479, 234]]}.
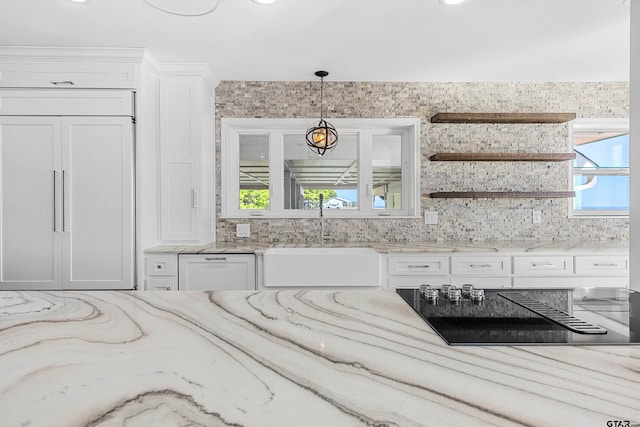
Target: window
{"points": [[268, 170], [601, 167]]}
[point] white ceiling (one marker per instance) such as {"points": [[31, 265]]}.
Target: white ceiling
{"points": [[355, 40]]}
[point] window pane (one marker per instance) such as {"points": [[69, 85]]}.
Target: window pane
{"points": [[601, 180], [387, 171], [306, 175], [597, 192], [254, 171], [601, 150]]}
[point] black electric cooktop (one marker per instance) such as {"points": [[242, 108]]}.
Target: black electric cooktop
{"points": [[578, 316]]}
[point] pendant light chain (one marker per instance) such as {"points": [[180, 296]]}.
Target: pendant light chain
{"points": [[321, 98]]}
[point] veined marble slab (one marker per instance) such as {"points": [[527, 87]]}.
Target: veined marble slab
{"points": [[290, 358]]}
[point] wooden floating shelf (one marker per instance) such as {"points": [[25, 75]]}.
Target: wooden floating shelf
{"points": [[502, 117], [502, 157], [502, 194]]}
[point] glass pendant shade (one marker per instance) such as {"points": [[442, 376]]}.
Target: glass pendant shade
{"points": [[323, 136]]}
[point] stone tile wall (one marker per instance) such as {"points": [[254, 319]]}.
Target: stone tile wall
{"points": [[459, 219]]}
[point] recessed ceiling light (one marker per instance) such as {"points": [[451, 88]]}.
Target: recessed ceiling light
{"points": [[264, 1], [451, 2], [78, 1]]}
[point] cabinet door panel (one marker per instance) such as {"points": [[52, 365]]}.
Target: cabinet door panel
{"points": [[98, 196], [480, 265], [418, 265], [29, 245], [179, 159], [216, 272], [76, 74]]}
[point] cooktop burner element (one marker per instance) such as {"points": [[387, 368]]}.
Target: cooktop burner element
{"points": [[579, 316]]}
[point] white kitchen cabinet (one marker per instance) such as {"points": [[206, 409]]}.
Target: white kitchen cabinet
{"points": [[481, 271], [216, 272], [605, 265], [30, 207], [482, 282], [77, 102], [541, 266], [187, 159], [24, 73], [70, 80], [418, 265], [161, 272], [481, 265], [66, 201], [410, 271]]}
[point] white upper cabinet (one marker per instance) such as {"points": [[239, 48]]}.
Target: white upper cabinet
{"points": [[186, 159], [69, 68]]}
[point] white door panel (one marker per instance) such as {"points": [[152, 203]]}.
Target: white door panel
{"points": [[30, 204], [98, 192]]}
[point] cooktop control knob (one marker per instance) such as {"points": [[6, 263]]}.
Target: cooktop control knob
{"points": [[476, 295], [430, 294], [466, 289], [454, 294], [445, 289]]}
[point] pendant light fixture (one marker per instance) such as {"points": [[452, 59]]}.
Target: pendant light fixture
{"points": [[323, 136]]}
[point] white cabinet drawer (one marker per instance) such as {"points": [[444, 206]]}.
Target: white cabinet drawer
{"points": [[161, 265], [68, 75], [416, 281], [602, 265], [216, 272], [27, 102], [470, 265], [482, 282], [161, 284], [543, 265], [418, 265]]}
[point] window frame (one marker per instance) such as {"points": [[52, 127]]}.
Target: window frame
{"points": [[596, 125], [232, 128]]}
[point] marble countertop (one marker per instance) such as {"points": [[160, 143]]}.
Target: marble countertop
{"points": [[447, 247], [289, 358]]}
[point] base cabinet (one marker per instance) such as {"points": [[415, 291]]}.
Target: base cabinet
{"points": [[216, 272], [517, 270], [161, 272]]}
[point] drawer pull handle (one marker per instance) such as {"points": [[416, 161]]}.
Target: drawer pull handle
{"points": [[606, 265], [62, 82], [480, 266], [418, 266], [543, 265], [224, 258]]}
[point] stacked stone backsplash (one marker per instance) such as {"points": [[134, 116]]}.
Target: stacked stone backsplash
{"points": [[459, 219]]}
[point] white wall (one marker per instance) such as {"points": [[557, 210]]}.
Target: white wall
{"points": [[635, 146]]}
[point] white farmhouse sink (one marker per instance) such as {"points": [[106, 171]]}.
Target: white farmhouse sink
{"points": [[302, 267]]}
